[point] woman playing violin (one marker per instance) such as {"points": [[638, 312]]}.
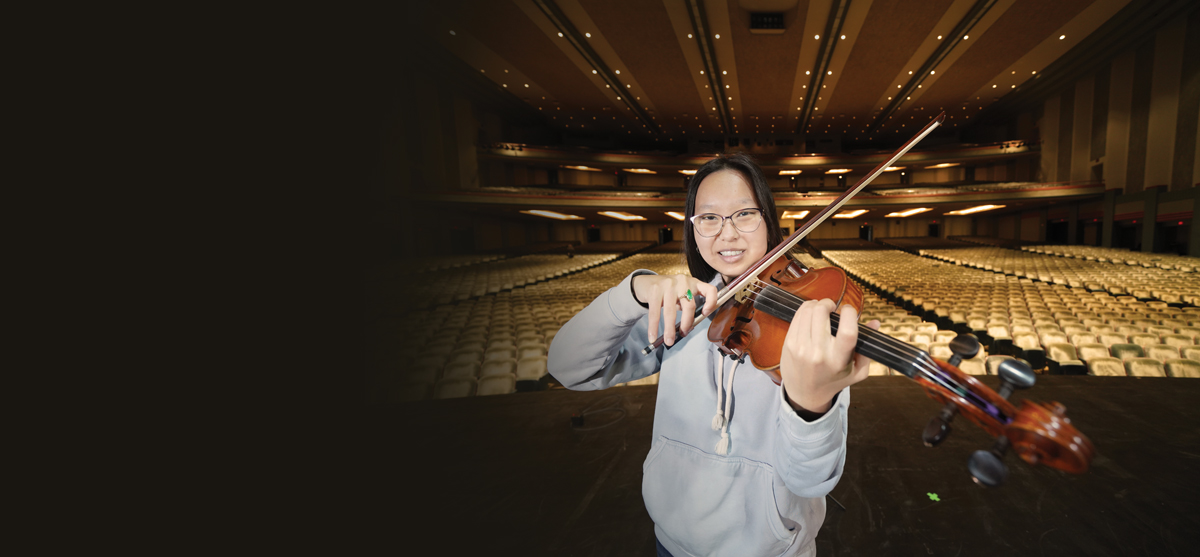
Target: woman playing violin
{"points": [[738, 465]]}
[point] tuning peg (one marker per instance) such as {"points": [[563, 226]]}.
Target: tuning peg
{"points": [[1015, 374], [964, 347], [987, 467], [939, 427]]}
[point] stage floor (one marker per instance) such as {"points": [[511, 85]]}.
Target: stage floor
{"points": [[507, 475]]}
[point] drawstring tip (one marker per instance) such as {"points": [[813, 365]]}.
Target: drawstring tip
{"points": [[723, 444], [718, 421]]}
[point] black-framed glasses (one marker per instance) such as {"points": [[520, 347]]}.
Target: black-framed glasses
{"points": [[745, 220]]}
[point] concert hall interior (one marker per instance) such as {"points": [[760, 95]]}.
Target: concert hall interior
{"points": [[534, 153]]}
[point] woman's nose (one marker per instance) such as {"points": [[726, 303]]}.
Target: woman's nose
{"points": [[729, 232]]}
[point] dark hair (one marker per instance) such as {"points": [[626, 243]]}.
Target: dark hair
{"points": [[744, 165]]}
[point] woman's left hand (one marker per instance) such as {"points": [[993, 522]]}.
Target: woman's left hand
{"points": [[815, 364]]}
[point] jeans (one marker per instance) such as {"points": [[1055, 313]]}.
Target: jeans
{"points": [[662, 551]]}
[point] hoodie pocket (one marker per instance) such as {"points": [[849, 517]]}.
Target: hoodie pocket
{"points": [[713, 505]]}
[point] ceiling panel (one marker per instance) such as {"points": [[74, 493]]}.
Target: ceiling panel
{"points": [[766, 65], [1022, 27], [508, 31], [642, 36], [889, 37]]}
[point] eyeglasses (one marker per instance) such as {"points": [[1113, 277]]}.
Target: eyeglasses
{"points": [[745, 220]]}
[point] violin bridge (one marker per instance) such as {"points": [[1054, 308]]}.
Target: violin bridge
{"points": [[742, 295]]}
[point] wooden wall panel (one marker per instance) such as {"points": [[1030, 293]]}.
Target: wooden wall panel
{"points": [[1163, 116]]}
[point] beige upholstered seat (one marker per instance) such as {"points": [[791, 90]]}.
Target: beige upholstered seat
{"points": [[531, 369], [468, 370], [1089, 351], [1145, 367], [498, 367], [1162, 352], [1178, 341], [1106, 366], [455, 388], [500, 384], [1126, 352], [1143, 339], [1182, 368]]}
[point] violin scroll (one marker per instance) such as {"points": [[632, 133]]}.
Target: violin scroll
{"points": [[1039, 433]]}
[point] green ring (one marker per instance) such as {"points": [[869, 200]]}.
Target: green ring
{"points": [[689, 294]]}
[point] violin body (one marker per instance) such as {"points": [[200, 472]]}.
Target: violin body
{"points": [[737, 328]]}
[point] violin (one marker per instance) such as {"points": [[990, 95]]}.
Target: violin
{"points": [[756, 309]]}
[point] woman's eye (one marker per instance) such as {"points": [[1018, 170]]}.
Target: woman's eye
{"points": [[707, 218], [746, 213]]}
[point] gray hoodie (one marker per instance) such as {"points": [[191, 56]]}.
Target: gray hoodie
{"points": [[732, 469]]}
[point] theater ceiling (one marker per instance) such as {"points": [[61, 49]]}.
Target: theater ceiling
{"points": [[671, 71]]}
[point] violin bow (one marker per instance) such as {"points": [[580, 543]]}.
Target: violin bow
{"points": [[731, 289]]}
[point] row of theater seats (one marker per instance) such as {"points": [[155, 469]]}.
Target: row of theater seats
{"points": [[1121, 257], [1055, 327], [1142, 282], [497, 343], [446, 286], [441, 262]]}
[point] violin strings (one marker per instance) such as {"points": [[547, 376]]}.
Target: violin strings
{"points": [[761, 291], [879, 338]]}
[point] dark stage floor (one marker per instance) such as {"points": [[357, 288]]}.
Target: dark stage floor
{"points": [[507, 475]]}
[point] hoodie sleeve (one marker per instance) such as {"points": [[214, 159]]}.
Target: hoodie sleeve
{"points": [[602, 345], [810, 456]]}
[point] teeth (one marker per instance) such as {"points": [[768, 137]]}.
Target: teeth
{"points": [[731, 253]]}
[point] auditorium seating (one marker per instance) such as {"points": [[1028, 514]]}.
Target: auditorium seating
{"points": [[1151, 279], [1120, 257], [1024, 316], [488, 330]]}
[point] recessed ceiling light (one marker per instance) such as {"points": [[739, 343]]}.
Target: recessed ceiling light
{"points": [[910, 212], [588, 35], [676, 215], [850, 214], [794, 214], [639, 170], [553, 215], [816, 37], [975, 209], [1060, 37], [717, 36], [837, 171], [789, 172], [944, 165], [622, 215]]}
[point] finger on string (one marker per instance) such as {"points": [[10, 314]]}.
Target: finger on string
{"points": [[654, 305], [821, 330], [847, 336], [801, 322]]}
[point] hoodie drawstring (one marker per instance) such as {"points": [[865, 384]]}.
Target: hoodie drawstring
{"points": [[721, 419]]}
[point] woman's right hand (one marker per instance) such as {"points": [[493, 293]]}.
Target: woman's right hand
{"points": [[667, 294]]}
